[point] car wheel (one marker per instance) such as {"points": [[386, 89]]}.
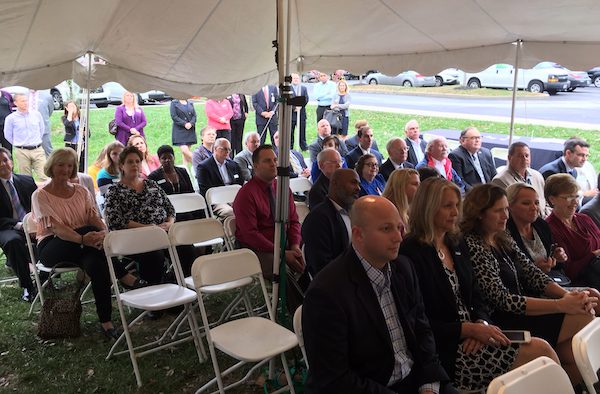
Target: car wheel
{"points": [[373, 81], [57, 100], [474, 83], [140, 100], [535, 87], [439, 81], [103, 105], [407, 84], [571, 89], [597, 81]]}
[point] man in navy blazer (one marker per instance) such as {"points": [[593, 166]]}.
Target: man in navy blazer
{"points": [[365, 144], [265, 104], [219, 170], [299, 90], [363, 318], [575, 153], [326, 230], [12, 238], [397, 156], [473, 163], [416, 145]]}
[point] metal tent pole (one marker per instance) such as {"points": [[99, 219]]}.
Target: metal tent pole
{"points": [[514, 93]]}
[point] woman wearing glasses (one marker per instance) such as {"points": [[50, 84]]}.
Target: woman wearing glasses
{"points": [[575, 232], [371, 181]]}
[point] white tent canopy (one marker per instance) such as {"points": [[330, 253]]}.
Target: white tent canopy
{"points": [[215, 47]]}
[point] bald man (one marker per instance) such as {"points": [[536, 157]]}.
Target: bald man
{"points": [[328, 160], [350, 345]]}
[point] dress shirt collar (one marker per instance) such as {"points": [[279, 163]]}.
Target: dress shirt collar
{"points": [[569, 169], [380, 279], [364, 151]]}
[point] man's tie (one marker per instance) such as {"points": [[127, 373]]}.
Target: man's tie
{"points": [[573, 173], [477, 166], [266, 93], [271, 200], [14, 198]]}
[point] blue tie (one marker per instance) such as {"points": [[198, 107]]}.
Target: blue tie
{"points": [[14, 198], [573, 173]]}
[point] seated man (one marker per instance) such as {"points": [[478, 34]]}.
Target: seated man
{"points": [[297, 164], [397, 157], [352, 142], [15, 203], [205, 150], [323, 130], [329, 160], [244, 158], [473, 163], [436, 156], [364, 323], [219, 170], [254, 209], [416, 145], [365, 144], [326, 230]]}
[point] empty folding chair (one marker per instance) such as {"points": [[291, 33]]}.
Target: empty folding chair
{"points": [[229, 228], [190, 202], [541, 375], [302, 210], [151, 298], [251, 339], [221, 195], [299, 333], [586, 351], [300, 185]]}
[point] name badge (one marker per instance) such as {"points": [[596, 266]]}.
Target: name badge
{"points": [[249, 167], [152, 189], [161, 181], [458, 253], [235, 176]]}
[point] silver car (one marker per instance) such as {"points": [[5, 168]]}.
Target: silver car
{"points": [[407, 79]]}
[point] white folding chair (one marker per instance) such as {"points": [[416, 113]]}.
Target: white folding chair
{"points": [[229, 228], [300, 185], [541, 375], [302, 210], [190, 202], [299, 332], [150, 298], [251, 339], [586, 351], [221, 195], [500, 155]]}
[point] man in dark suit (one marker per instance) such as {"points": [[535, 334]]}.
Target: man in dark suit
{"points": [[323, 130], [397, 155], [473, 163], [298, 166], [219, 170], [326, 230], [352, 142], [265, 104], [363, 318], [416, 145], [15, 202], [299, 112], [328, 160], [365, 143]]}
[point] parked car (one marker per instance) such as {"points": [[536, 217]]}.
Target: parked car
{"points": [[310, 76], [549, 80], [577, 78], [407, 79], [594, 75], [153, 96], [60, 93], [112, 93], [449, 76]]}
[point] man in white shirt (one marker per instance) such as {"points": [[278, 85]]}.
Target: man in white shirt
{"points": [[436, 156], [416, 145]]}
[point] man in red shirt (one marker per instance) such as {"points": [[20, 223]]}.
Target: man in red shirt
{"points": [[254, 208]]}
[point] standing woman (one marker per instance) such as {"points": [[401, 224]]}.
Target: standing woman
{"points": [[371, 181], [70, 120], [130, 118], [6, 104], [239, 105], [219, 112], [183, 133], [149, 162], [341, 101]]}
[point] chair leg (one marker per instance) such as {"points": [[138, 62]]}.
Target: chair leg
{"points": [[132, 355], [196, 333], [288, 376]]}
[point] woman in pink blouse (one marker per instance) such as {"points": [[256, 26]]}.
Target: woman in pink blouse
{"points": [[150, 162], [219, 113]]}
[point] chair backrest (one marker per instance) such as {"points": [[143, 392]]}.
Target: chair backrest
{"points": [[195, 231], [586, 351], [541, 375], [302, 211], [299, 333], [30, 230], [221, 195], [135, 240], [188, 202], [216, 269], [300, 184], [229, 229]]}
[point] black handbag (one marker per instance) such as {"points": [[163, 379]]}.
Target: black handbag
{"points": [[61, 312], [334, 117], [112, 127]]}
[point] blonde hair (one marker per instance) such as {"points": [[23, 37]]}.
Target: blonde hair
{"points": [[108, 164], [395, 191], [342, 81], [425, 206], [512, 191], [130, 143], [135, 101], [60, 156]]}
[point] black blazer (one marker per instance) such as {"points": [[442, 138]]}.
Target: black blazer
{"points": [[352, 143], [356, 153], [25, 186], [259, 104], [463, 164], [346, 338], [387, 168], [554, 167], [325, 236], [243, 104], [185, 183], [318, 192], [303, 92], [412, 156], [439, 299], [209, 176]]}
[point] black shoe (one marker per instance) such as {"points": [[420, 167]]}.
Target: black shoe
{"points": [[154, 315], [111, 333], [29, 294], [137, 284]]}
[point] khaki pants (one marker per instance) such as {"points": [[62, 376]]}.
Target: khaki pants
{"points": [[31, 159]]}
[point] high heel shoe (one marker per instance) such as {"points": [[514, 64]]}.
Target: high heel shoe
{"points": [[137, 284]]}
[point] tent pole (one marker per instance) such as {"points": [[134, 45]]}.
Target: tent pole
{"points": [[514, 94]]}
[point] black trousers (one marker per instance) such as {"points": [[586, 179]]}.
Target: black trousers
{"points": [[224, 134], [320, 110], [301, 132], [237, 133], [14, 245], [150, 265], [273, 126]]}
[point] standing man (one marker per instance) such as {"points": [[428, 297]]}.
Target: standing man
{"points": [[364, 322], [416, 145], [265, 103], [473, 163], [6, 106], [324, 93], [299, 113], [365, 143], [244, 158], [15, 203], [397, 157], [42, 101], [24, 129]]}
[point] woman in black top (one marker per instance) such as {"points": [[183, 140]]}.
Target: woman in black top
{"points": [[172, 179], [6, 104]]}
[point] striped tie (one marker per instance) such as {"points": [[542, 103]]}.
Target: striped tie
{"points": [[14, 198]]}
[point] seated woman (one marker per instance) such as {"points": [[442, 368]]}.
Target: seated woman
{"points": [[136, 202], [506, 278], [69, 225], [96, 166], [172, 179], [575, 232], [472, 350], [149, 162], [532, 233], [400, 189], [371, 181], [109, 173], [331, 141]]}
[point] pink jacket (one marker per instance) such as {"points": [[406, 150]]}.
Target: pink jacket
{"points": [[215, 110]]}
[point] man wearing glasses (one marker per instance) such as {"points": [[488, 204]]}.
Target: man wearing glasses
{"points": [[473, 163], [397, 157]]}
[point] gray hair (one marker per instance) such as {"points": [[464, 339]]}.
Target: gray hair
{"points": [[252, 133], [322, 155], [221, 142]]}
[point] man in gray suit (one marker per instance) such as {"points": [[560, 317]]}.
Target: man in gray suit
{"points": [[244, 158], [43, 102]]}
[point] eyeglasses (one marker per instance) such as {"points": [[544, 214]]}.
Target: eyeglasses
{"points": [[337, 162], [474, 138], [225, 149], [570, 199]]}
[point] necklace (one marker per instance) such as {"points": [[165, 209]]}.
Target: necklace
{"points": [[441, 254]]}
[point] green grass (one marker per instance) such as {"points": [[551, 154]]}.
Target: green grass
{"points": [[453, 90]]}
